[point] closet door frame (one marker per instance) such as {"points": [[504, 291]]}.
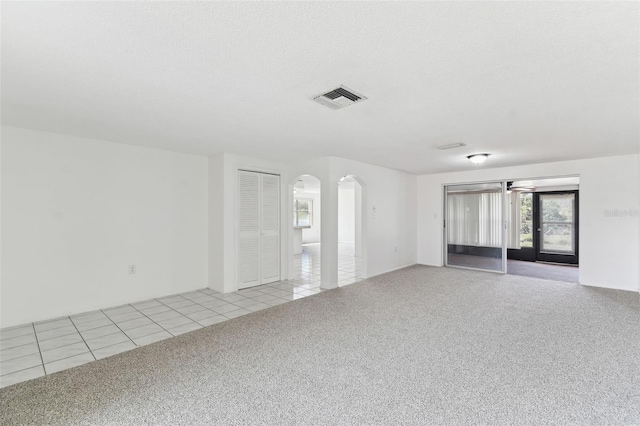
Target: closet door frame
{"points": [[260, 279]]}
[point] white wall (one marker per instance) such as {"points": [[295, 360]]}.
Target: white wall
{"points": [[76, 212], [389, 235], [608, 243], [347, 212], [1, 302], [219, 199], [388, 231]]}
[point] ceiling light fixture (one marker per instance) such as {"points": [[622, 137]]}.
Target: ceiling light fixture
{"points": [[478, 158], [298, 186]]}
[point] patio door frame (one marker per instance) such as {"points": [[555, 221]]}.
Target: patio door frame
{"points": [[541, 256], [503, 221]]}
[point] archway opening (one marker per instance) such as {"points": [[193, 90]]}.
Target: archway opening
{"points": [[350, 231], [306, 235]]}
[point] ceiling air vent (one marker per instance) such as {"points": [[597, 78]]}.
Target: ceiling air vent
{"points": [[451, 146], [339, 98]]}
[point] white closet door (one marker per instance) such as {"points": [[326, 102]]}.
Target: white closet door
{"points": [[270, 247], [248, 229]]}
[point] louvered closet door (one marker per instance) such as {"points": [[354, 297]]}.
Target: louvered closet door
{"points": [[270, 256], [248, 229], [258, 228]]}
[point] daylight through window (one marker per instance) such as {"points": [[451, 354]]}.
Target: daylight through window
{"points": [[302, 212]]}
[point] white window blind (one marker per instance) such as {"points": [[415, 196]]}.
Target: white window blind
{"points": [[474, 219]]}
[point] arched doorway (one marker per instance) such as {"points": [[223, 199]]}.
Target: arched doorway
{"points": [[305, 262], [351, 256]]}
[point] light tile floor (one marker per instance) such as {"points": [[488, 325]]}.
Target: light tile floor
{"points": [[33, 350], [307, 265]]}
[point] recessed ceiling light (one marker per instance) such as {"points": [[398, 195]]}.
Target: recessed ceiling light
{"points": [[478, 158]]}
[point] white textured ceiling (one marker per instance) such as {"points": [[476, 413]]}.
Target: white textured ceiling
{"points": [[525, 81]]}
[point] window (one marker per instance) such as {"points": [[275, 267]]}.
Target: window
{"points": [[557, 213], [302, 212], [526, 219]]}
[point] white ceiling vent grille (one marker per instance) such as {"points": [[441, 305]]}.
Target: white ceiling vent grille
{"points": [[339, 98]]}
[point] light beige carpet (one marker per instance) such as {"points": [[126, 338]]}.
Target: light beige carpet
{"points": [[417, 346]]}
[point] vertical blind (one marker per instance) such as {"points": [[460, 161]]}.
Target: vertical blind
{"points": [[474, 219], [513, 220]]}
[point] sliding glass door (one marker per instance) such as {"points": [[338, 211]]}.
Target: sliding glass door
{"points": [[474, 223]]}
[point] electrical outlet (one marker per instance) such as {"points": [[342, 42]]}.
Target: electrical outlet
{"points": [[395, 249], [132, 269]]}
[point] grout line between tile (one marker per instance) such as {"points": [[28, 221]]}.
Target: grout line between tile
{"points": [[18, 346], [39, 351], [53, 320], [63, 346], [68, 334], [119, 343], [28, 368], [118, 327], [166, 329], [70, 356], [151, 321], [83, 341], [196, 303]]}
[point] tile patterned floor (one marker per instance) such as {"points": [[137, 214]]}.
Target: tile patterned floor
{"points": [[33, 350], [307, 265]]}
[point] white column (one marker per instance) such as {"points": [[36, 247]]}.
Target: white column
{"points": [[329, 234]]}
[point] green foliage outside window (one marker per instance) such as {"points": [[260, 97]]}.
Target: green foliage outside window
{"points": [[526, 219], [302, 211]]}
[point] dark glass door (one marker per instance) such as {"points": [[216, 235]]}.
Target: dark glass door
{"points": [[556, 226]]}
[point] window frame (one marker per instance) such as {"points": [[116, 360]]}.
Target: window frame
{"points": [[297, 211]]}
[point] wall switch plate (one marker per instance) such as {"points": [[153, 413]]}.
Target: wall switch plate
{"points": [[132, 269]]}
